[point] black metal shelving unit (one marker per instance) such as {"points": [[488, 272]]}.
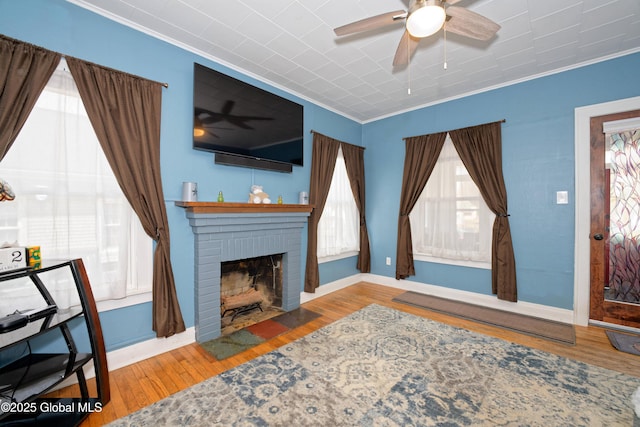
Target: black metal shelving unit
{"points": [[26, 377]]}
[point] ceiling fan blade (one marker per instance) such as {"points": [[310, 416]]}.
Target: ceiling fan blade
{"points": [[451, 2], [470, 24], [406, 47], [371, 23]]}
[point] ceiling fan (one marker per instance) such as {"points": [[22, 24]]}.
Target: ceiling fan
{"points": [[424, 18]]}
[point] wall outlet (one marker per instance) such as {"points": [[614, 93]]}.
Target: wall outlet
{"points": [[388, 260], [562, 197]]}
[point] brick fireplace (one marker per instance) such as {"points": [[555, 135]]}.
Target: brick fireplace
{"points": [[235, 231]]}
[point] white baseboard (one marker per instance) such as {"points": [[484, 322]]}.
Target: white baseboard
{"points": [[134, 353], [520, 307], [143, 350], [332, 287]]}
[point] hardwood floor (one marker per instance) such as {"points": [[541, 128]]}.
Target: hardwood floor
{"points": [[148, 381]]}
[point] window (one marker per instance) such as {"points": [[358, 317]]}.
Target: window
{"points": [[338, 228], [451, 223], [67, 199]]}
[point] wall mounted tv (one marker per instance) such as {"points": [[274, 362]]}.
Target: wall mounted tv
{"points": [[245, 125]]}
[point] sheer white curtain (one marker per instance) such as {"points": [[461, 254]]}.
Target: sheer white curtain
{"points": [[451, 220], [338, 228], [68, 201]]}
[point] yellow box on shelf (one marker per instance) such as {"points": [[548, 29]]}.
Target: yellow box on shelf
{"points": [[33, 256]]}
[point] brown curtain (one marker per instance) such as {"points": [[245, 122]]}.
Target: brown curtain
{"points": [[25, 70], [421, 155], [323, 162], [480, 149], [125, 113], [354, 161]]}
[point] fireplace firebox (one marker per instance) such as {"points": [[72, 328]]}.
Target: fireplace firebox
{"points": [[250, 284]]}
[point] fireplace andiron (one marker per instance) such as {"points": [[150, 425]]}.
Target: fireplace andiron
{"points": [[242, 303]]}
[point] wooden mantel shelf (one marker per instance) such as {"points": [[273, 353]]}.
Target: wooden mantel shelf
{"points": [[234, 207]]}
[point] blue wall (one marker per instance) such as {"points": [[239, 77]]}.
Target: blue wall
{"points": [[70, 30], [538, 160], [538, 157]]}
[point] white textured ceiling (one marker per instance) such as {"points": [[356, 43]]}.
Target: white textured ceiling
{"points": [[291, 45]]}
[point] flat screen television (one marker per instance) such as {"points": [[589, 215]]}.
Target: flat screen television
{"points": [[245, 125]]}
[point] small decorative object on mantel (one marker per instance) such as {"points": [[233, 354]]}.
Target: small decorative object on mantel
{"points": [[189, 191], [304, 198], [220, 197], [6, 193], [258, 196]]}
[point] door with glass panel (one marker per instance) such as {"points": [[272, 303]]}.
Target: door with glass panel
{"points": [[615, 219]]}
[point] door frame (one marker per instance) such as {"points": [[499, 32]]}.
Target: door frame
{"points": [[582, 262]]}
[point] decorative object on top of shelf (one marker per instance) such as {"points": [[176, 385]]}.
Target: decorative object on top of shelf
{"points": [[12, 257], [258, 196], [189, 191], [303, 198], [220, 197], [34, 259], [6, 193]]}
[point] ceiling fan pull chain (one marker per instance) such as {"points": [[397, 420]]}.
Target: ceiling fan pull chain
{"points": [[445, 45], [408, 67]]}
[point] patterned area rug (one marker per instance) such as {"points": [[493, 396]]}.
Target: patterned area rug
{"points": [[383, 367]]}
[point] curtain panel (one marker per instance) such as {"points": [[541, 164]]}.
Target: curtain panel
{"points": [[25, 70], [323, 162], [125, 112], [421, 155], [480, 149], [74, 219], [354, 161]]}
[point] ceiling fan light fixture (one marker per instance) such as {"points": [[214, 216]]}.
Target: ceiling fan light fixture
{"points": [[426, 18]]}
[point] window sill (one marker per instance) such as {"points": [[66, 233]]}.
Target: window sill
{"points": [[124, 302], [337, 257], [461, 263]]}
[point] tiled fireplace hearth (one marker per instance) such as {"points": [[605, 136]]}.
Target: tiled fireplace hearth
{"points": [[233, 231]]}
